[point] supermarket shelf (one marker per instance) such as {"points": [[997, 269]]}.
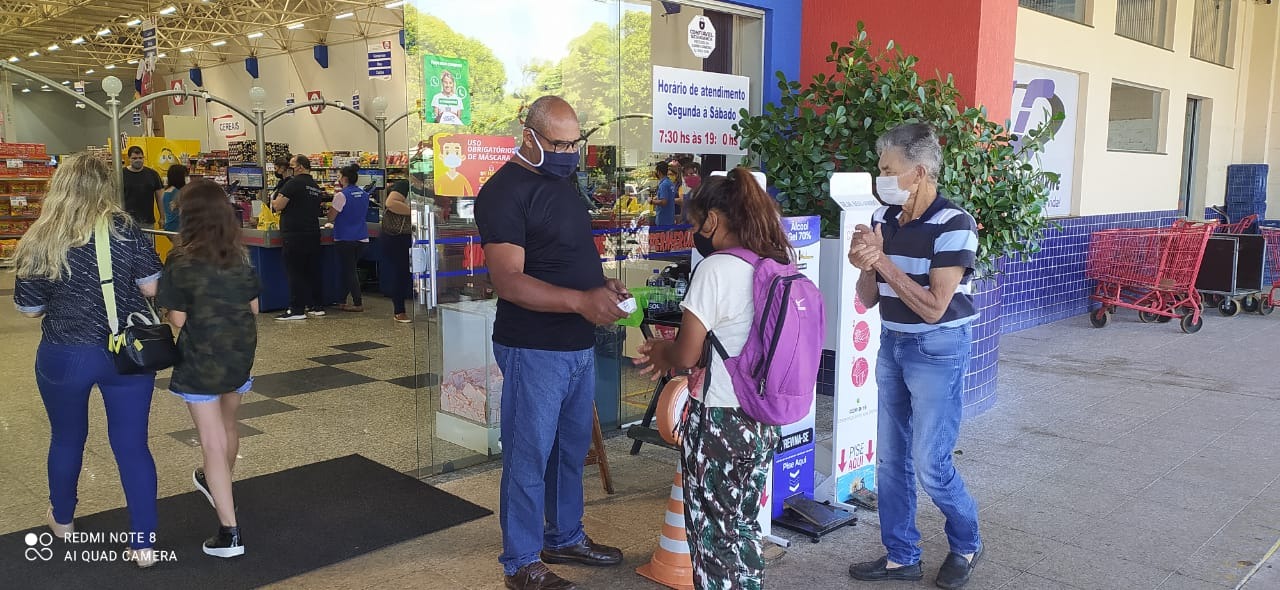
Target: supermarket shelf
{"points": [[27, 197], [10, 236], [18, 217], [25, 178]]}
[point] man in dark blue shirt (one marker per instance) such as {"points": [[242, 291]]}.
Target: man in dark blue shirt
{"points": [[551, 294], [917, 264]]}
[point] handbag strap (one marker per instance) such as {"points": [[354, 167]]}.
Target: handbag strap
{"points": [[102, 246]]}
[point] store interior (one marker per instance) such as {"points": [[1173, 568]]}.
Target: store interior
{"points": [[359, 86]]}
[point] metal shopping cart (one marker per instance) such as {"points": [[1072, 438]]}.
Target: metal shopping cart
{"points": [[1151, 270], [1272, 300]]}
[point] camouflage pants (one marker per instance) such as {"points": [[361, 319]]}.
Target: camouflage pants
{"points": [[725, 460]]}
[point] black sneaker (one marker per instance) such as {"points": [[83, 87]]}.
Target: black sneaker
{"points": [[289, 316], [197, 477], [226, 543]]}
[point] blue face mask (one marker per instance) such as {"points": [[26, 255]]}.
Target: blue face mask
{"points": [[554, 164]]}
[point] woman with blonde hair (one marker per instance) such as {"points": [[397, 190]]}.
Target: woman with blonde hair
{"points": [[58, 281]]}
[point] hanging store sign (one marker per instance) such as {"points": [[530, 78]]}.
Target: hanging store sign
{"points": [[448, 90], [288, 102], [1040, 93], [230, 126], [355, 100], [694, 112], [315, 95], [380, 60], [702, 37], [178, 99]]}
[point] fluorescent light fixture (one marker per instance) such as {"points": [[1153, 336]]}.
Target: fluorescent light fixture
{"points": [[162, 56], [169, 10], [396, 4], [294, 26], [77, 41], [66, 82], [89, 71], [133, 62], [34, 54], [345, 15], [54, 47], [186, 50], [26, 90], [219, 43], [111, 66], [135, 22], [13, 59], [254, 35], [44, 86], [46, 89], [104, 32]]}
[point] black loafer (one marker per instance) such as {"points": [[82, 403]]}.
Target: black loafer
{"points": [[955, 570], [878, 571], [587, 552], [536, 576]]}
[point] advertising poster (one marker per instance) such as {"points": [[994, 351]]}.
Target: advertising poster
{"points": [[448, 98], [794, 459], [1039, 93], [853, 334], [694, 112], [464, 162]]}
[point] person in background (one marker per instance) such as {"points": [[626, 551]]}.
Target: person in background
{"points": [[299, 206], [664, 202], [917, 265], [726, 454], [690, 181], [169, 200], [395, 247], [283, 173], [141, 190], [552, 292], [58, 280], [350, 232], [211, 293]]}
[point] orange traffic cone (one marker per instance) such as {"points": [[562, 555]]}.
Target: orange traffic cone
{"points": [[670, 565]]}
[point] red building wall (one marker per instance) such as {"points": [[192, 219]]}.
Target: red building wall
{"points": [[971, 39]]}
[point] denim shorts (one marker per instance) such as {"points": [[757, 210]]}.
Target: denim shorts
{"points": [[204, 398]]}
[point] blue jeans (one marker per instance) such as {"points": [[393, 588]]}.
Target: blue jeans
{"points": [[65, 374], [548, 402], [921, 379]]}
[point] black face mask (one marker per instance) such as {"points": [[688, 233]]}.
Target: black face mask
{"points": [[703, 243]]}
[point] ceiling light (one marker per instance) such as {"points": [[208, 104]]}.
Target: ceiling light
{"points": [[135, 22], [33, 54], [77, 41], [396, 4], [88, 71], [169, 10], [219, 43], [133, 61], [46, 89], [44, 86], [254, 35], [294, 26], [345, 15], [104, 32], [162, 56], [54, 47], [111, 66], [66, 82], [13, 59], [26, 90], [186, 50]]}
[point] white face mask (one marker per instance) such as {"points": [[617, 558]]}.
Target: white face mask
{"points": [[452, 161], [889, 192]]}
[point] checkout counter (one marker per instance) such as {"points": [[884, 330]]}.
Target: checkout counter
{"points": [[265, 254]]}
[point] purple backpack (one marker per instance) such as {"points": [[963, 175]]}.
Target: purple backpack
{"points": [[776, 372]]}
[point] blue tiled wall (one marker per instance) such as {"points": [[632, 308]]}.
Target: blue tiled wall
{"points": [[1051, 286]]}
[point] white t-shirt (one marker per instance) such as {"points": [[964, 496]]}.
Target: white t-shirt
{"points": [[720, 296]]}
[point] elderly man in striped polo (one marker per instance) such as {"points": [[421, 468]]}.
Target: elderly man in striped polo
{"points": [[917, 264]]}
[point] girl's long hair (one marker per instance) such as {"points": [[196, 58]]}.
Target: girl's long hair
{"points": [[210, 231], [750, 212], [83, 190], [177, 176]]}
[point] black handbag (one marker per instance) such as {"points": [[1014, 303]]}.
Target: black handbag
{"points": [[143, 347]]}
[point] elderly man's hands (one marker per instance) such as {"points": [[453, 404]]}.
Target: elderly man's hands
{"points": [[867, 248]]}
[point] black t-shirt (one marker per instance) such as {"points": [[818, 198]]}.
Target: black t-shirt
{"points": [[280, 182], [140, 194], [544, 216], [218, 341], [302, 214]]}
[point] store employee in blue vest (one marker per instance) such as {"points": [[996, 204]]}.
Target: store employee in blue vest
{"points": [[552, 293], [917, 265], [350, 233]]}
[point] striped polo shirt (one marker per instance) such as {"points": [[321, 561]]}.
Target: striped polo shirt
{"points": [[944, 236]]}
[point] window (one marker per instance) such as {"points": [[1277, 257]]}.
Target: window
{"points": [[1135, 120], [1211, 31], [1147, 21], [1073, 10]]}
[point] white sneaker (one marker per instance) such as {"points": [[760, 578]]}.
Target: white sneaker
{"points": [[144, 558], [289, 316], [316, 313], [60, 530]]}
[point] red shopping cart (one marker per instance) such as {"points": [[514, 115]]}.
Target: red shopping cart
{"points": [[1272, 300], [1151, 270]]}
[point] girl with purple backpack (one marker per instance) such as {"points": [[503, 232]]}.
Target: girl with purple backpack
{"points": [[726, 452]]}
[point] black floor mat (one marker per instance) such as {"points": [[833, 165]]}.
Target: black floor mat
{"points": [[293, 522]]}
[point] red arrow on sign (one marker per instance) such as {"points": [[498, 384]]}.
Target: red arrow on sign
{"points": [[870, 452], [841, 460], [764, 497]]}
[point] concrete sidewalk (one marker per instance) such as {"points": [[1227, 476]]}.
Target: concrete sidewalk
{"points": [[1127, 457]]}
